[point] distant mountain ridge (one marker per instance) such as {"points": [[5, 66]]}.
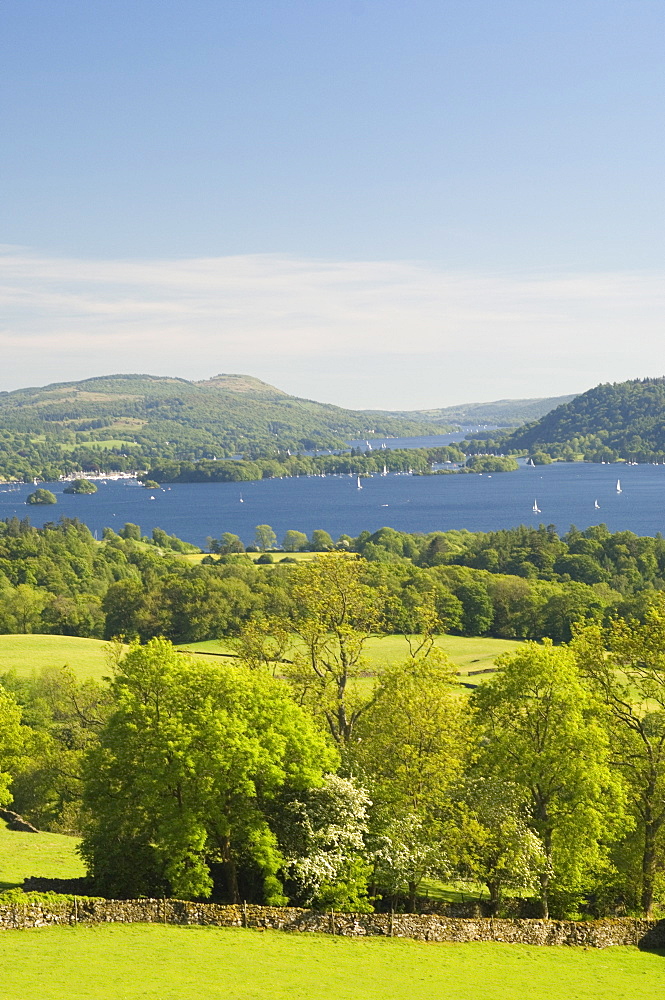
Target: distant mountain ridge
{"points": [[502, 412], [620, 420]]}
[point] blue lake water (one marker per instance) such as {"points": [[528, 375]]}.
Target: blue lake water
{"points": [[565, 493]]}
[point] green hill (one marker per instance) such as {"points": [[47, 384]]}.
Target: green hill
{"points": [[622, 420], [120, 422]]}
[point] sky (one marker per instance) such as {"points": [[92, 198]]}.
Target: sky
{"points": [[377, 203]]}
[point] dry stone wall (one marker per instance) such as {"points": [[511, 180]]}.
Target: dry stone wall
{"points": [[589, 934]]}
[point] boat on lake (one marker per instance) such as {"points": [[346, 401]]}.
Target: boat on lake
{"points": [[619, 490], [536, 509]]}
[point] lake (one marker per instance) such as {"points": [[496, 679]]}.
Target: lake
{"points": [[565, 493]]}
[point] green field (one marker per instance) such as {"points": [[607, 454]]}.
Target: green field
{"points": [[150, 962], [49, 855], [25, 653], [468, 654], [196, 557]]}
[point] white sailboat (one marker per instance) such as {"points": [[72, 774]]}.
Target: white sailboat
{"points": [[596, 505], [536, 509], [619, 490], [359, 483], [241, 499], [385, 471]]}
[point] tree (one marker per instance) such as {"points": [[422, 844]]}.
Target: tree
{"points": [[12, 737], [334, 615], [230, 543], [294, 541], [478, 611], [321, 541], [497, 846], [322, 835], [410, 748], [187, 770], [62, 717], [543, 732], [626, 664], [265, 537], [25, 604], [131, 531]]}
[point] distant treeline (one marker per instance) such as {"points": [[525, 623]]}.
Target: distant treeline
{"points": [[419, 461]]}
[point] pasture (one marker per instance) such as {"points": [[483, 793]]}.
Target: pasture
{"points": [[196, 557], [468, 654], [50, 855], [24, 654], [151, 962]]}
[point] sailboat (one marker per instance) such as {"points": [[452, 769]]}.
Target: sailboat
{"points": [[385, 471], [359, 483], [596, 505], [619, 486], [536, 509], [531, 463], [241, 499]]}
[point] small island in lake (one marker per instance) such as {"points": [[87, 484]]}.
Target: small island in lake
{"points": [[80, 486], [41, 497]]}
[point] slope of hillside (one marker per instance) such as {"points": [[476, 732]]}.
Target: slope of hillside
{"points": [[612, 421], [131, 421]]}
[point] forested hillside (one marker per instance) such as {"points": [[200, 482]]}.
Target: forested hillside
{"points": [[121, 422], [623, 420]]}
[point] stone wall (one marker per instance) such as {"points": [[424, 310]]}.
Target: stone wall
{"points": [[589, 934]]}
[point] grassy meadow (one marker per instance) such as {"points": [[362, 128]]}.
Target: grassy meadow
{"points": [[468, 654], [26, 653], [151, 962], [196, 557], [50, 855]]}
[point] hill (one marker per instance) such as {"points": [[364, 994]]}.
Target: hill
{"points": [[622, 420], [502, 412], [120, 422]]}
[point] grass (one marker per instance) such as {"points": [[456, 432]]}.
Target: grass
{"points": [[50, 855], [94, 443], [87, 657], [475, 653], [151, 962], [26, 653], [196, 557]]}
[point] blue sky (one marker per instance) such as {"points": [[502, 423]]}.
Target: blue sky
{"points": [[372, 202]]}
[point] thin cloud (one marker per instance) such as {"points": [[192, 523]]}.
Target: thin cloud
{"points": [[477, 335]]}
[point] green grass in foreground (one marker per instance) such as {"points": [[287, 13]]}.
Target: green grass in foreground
{"points": [[25, 653], [150, 962], [50, 855]]}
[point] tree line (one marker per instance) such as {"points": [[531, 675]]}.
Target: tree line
{"points": [[523, 583]]}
